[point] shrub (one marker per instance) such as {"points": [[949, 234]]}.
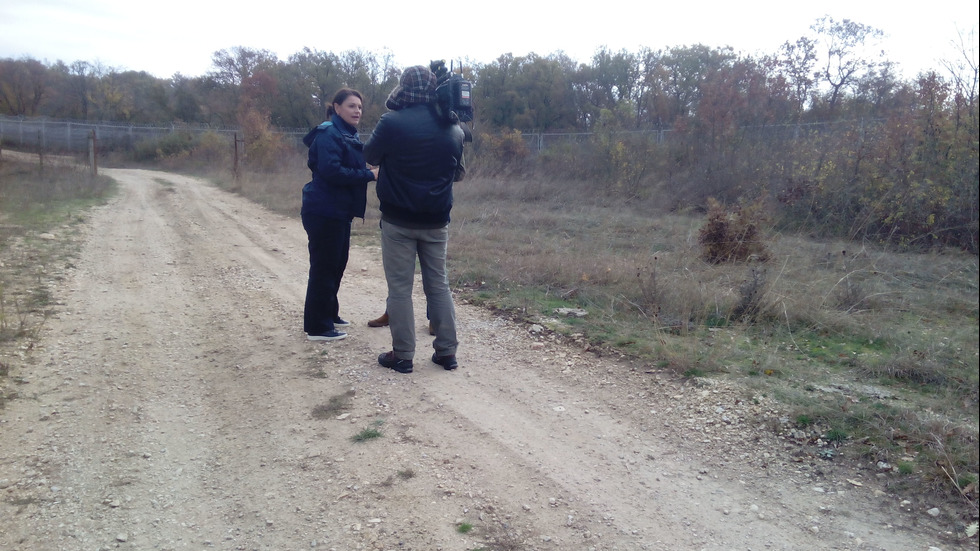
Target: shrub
{"points": [[212, 147], [169, 146], [505, 150], [264, 148], [732, 236]]}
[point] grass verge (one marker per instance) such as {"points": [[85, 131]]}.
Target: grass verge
{"points": [[41, 208], [877, 349]]}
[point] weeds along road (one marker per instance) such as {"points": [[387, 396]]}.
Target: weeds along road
{"points": [[173, 402]]}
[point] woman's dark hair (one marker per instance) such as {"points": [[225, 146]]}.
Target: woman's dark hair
{"points": [[341, 96]]}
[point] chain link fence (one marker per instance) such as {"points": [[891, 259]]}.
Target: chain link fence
{"points": [[66, 136]]}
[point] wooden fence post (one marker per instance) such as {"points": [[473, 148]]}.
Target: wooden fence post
{"points": [[40, 153], [234, 168], [92, 153]]}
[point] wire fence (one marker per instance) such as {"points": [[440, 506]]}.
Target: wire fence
{"points": [[44, 134], [70, 136]]}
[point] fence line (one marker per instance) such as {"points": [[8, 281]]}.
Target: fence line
{"points": [[44, 134]]}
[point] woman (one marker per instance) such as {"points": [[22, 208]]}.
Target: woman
{"points": [[331, 200]]}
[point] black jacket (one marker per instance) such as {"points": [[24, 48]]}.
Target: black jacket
{"points": [[339, 185], [420, 155]]}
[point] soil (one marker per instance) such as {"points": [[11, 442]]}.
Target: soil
{"points": [[173, 402]]}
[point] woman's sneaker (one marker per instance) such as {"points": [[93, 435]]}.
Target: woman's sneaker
{"points": [[332, 335], [338, 322]]}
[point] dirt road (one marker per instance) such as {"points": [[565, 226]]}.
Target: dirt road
{"points": [[174, 403]]}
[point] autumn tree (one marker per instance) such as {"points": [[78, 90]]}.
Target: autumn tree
{"points": [[315, 76], [145, 98], [23, 84], [616, 81], [70, 87], [185, 99], [234, 73], [797, 61], [526, 92]]}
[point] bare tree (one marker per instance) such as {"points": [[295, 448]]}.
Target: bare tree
{"points": [[963, 70], [843, 44]]}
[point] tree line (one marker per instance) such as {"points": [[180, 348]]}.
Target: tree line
{"points": [[820, 129]]}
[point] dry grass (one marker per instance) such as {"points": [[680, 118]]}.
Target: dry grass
{"points": [[40, 206], [896, 331]]}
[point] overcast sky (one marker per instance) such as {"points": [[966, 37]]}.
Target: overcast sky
{"points": [[164, 38]]}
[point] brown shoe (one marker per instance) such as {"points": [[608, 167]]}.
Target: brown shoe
{"points": [[380, 322]]}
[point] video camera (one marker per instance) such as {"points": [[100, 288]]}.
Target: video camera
{"points": [[453, 94]]}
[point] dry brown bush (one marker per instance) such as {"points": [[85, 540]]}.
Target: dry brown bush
{"points": [[502, 153], [733, 235]]}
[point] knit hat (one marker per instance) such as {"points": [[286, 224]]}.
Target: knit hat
{"points": [[417, 85]]}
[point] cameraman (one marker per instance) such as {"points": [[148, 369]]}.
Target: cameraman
{"points": [[420, 153]]}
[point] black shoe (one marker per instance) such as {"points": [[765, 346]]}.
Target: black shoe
{"points": [[447, 362], [338, 322], [389, 360]]}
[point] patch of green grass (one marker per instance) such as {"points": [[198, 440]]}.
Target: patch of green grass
{"points": [[367, 434], [840, 349], [370, 433], [965, 480], [803, 420], [464, 528], [714, 320], [835, 435]]}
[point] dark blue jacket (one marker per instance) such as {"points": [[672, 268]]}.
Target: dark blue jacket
{"points": [[420, 156], [339, 185]]}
